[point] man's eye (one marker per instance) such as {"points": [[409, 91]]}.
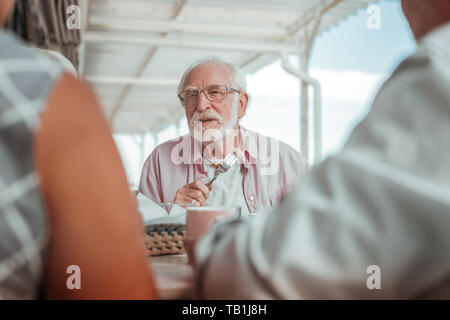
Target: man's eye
{"points": [[215, 92], [191, 94]]}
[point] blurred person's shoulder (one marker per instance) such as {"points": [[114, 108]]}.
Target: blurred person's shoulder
{"points": [[13, 47], [431, 59], [17, 55], [428, 68], [417, 89], [28, 77]]}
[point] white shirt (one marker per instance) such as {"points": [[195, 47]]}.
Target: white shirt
{"points": [[228, 188], [383, 201]]}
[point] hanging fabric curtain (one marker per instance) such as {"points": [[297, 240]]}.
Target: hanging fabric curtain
{"points": [[43, 24]]}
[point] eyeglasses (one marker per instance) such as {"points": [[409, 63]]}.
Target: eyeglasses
{"points": [[214, 93]]}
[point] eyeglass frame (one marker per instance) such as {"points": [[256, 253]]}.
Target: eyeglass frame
{"points": [[228, 89]]}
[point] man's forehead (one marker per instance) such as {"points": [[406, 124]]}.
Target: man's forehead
{"points": [[208, 74]]}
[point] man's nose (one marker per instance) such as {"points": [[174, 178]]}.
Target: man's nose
{"points": [[202, 102]]}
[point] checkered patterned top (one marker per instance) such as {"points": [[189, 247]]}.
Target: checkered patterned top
{"points": [[25, 82]]}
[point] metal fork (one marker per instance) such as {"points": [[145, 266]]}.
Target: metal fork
{"points": [[227, 163]]}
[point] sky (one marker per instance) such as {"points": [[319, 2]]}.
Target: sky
{"points": [[350, 60], [353, 46]]}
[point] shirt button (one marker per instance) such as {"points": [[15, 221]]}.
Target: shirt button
{"points": [[251, 198]]}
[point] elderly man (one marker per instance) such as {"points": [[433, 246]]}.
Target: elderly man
{"points": [[213, 94], [372, 221]]}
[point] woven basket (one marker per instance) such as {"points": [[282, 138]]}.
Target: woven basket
{"points": [[166, 238]]}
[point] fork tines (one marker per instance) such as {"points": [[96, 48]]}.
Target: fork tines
{"points": [[229, 161]]}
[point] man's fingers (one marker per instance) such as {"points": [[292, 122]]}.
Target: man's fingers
{"points": [[196, 195], [185, 201], [198, 185]]}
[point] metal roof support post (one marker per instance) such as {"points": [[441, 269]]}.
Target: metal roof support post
{"points": [[317, 124], [307, 80], [304, 107]]}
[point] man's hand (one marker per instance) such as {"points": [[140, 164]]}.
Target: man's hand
{"points": [[195, 193]]}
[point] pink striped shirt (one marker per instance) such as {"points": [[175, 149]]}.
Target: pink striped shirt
{"points": [[270, 169]]}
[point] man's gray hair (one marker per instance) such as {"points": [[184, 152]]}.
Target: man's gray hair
{"points": [[237, 76]]}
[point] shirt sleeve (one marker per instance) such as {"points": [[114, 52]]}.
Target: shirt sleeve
{"points": [[381, 204]]}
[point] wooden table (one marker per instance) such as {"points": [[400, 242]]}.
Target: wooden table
{"points": [[174, 276]]}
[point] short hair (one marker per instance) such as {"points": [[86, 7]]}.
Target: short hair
{"points": [[237, 76]]}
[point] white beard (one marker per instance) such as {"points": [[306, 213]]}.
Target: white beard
{"points": [[212, 134]]}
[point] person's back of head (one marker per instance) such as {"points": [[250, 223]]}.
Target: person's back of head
{"points": [[424, 16]]}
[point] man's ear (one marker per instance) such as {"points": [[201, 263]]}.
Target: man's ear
{"points": [[243, 102]]}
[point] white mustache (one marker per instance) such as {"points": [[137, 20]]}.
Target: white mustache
{"points": [[210, 114]]}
